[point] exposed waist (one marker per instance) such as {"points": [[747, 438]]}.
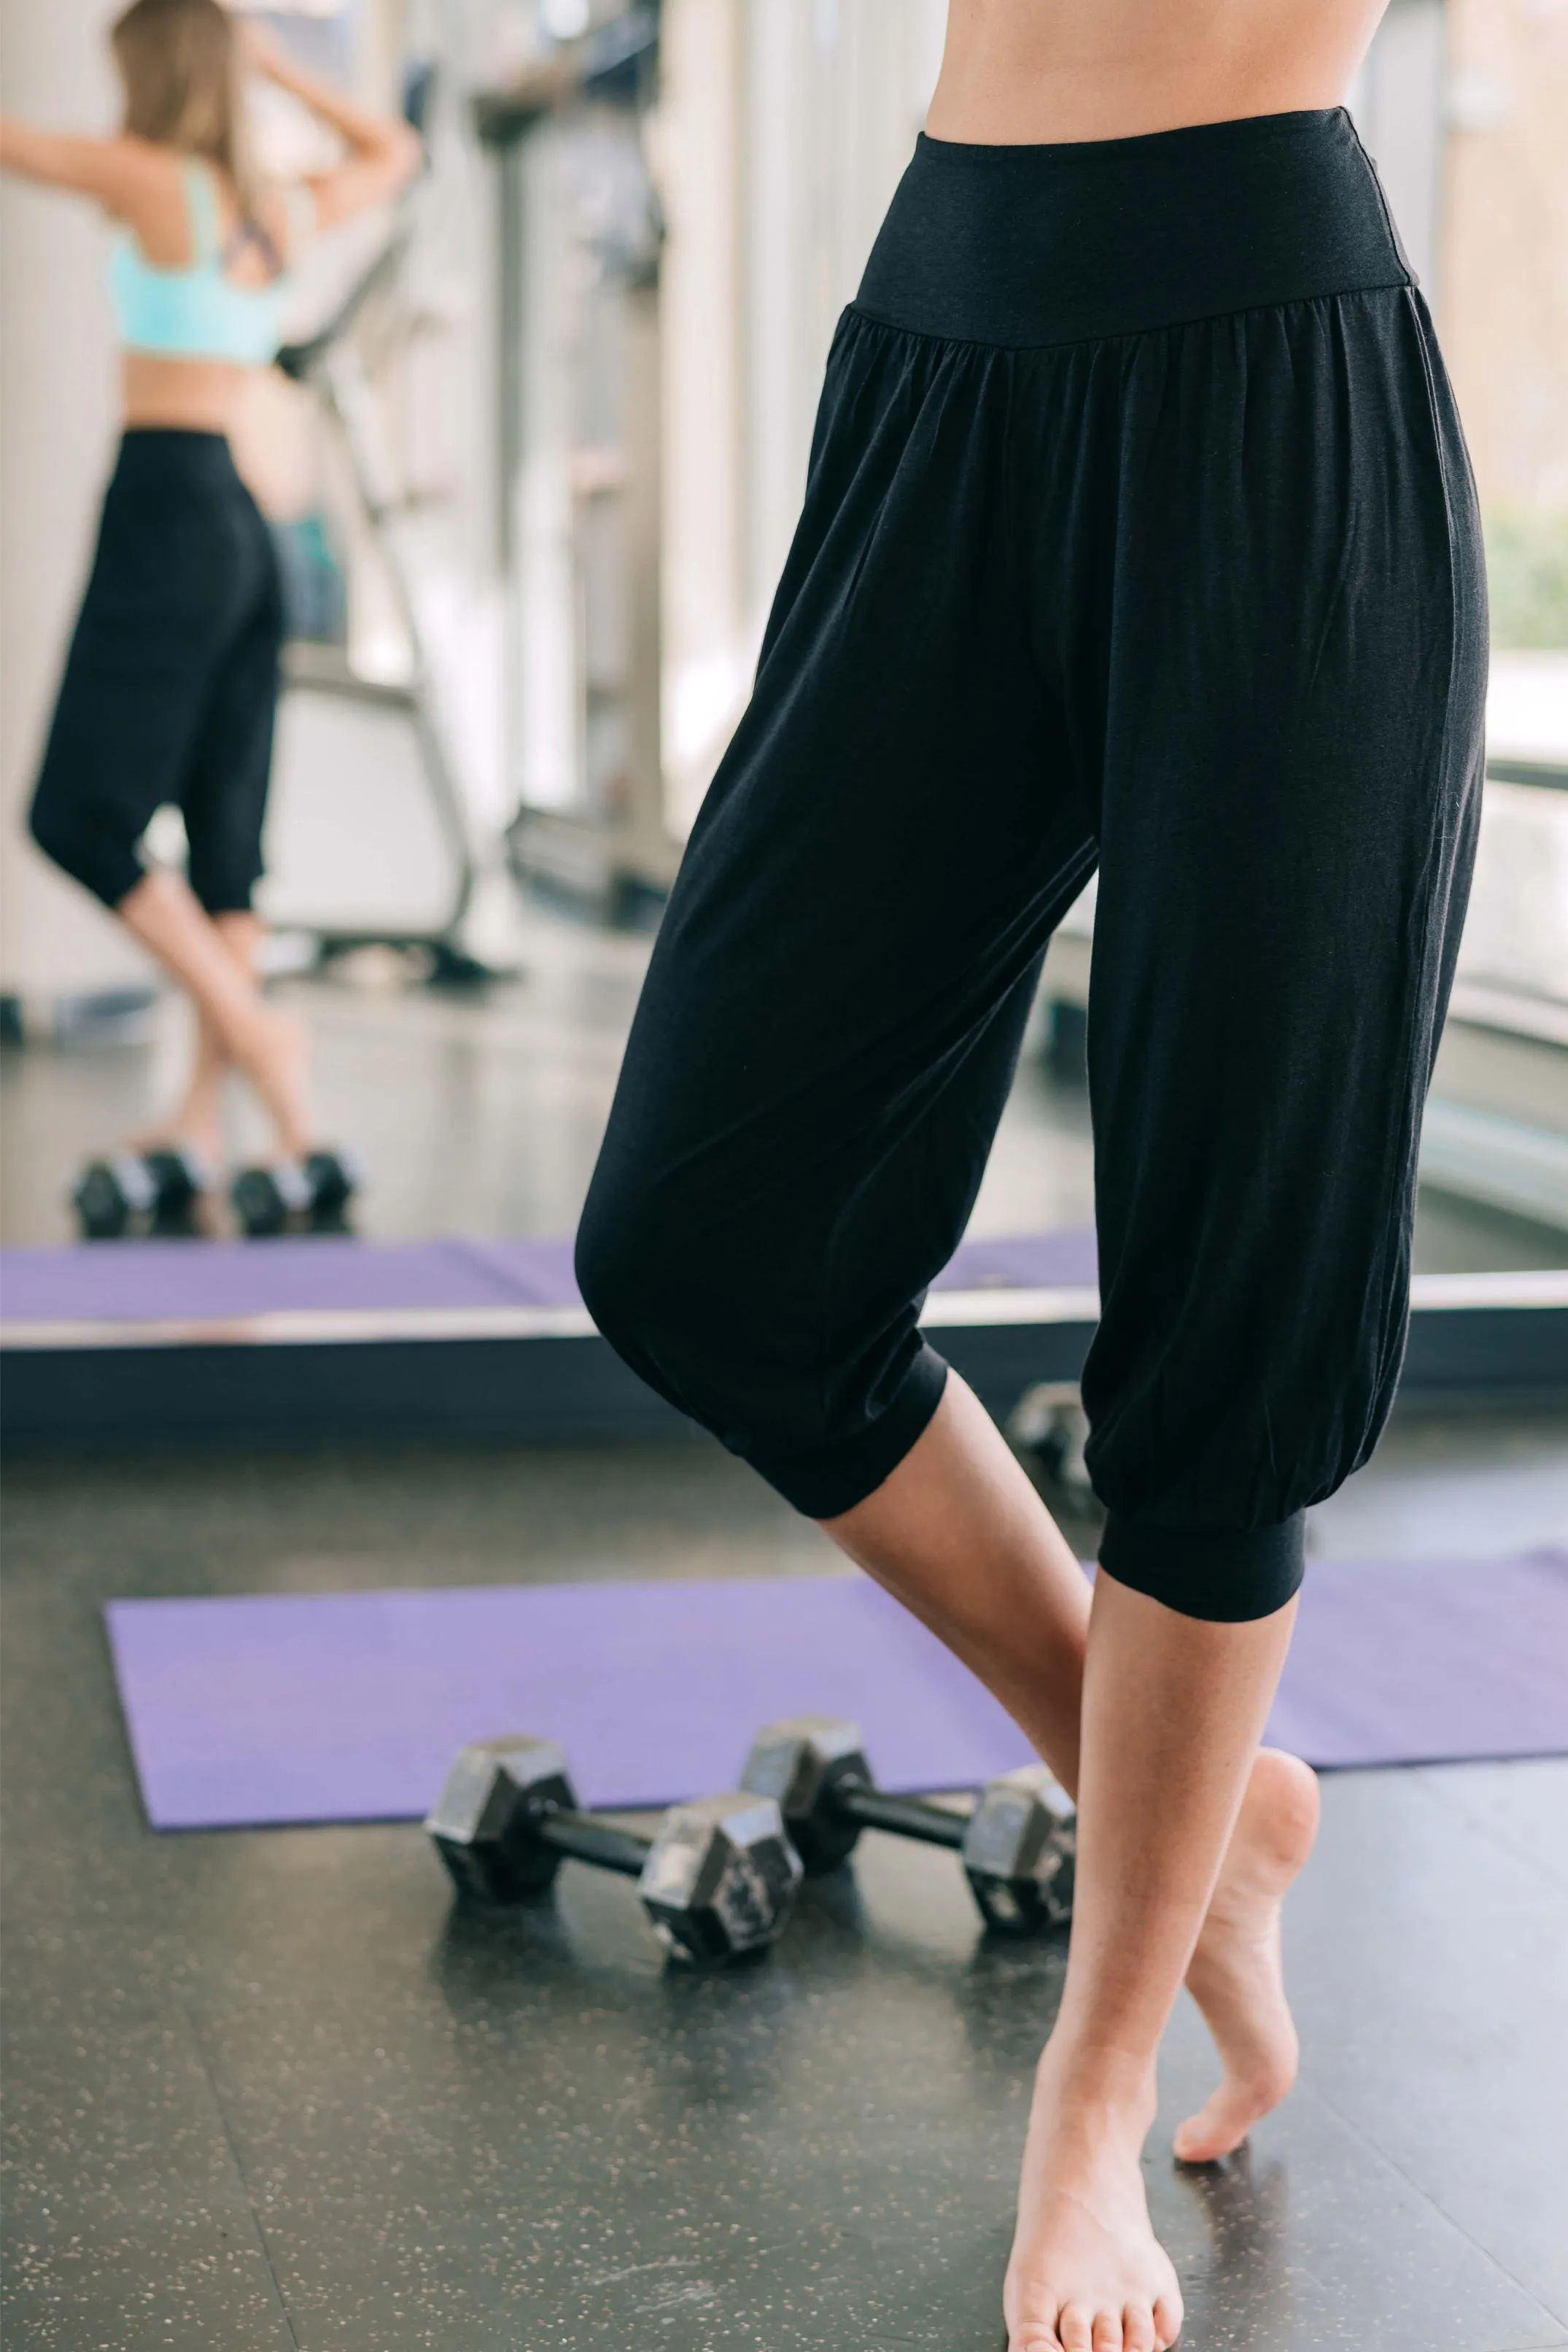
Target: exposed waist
{"points": [[1030, 245], [160, 393]]}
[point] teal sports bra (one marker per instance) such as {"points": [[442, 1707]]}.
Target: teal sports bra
{"points": [[196, 312]]}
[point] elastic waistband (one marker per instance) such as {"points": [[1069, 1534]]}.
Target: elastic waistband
{"points": [[183, 444], [1030, 245]]}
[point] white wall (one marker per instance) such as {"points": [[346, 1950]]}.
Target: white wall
{"points": [[58, 414]]}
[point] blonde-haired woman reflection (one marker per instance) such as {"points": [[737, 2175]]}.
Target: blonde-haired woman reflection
{"points": [[171, 684]]}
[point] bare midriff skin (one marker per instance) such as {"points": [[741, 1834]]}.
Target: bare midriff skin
{"points": [[1189, 1831], [1026, 72], [181, 395]]}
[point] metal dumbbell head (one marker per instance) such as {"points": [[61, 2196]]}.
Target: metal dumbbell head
{"points": [[144, 1191], [315, 1190], [109, 1194], [178, 1180], [1017, 1846], [333, 1179], [266, 1198], [799, 1762], [721, 1877], [717, 1880], [487, 1820], [1020, 1849]]}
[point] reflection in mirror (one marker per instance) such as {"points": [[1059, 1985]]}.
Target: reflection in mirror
{"points": [[531, 462]]}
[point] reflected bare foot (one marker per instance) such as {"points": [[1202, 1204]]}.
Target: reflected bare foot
{"points": [[1087, 2273], [1236, 1978]]}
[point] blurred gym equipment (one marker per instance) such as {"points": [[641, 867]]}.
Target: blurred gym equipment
{"points": [[580, 238], [335, 365]]}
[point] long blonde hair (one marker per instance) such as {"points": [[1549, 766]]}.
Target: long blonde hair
{"points": [[179, 64]]}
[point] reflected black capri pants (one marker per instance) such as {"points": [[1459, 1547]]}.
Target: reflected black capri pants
{"points": [[1139, 534], [170, 683]]}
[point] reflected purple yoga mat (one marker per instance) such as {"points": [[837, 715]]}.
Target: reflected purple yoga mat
{"points": [[180, 1281], [349, 1706]]}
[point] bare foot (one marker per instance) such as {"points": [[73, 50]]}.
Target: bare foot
{"points": [[276, 1061], [1235, 1976], [1087, 2273]]}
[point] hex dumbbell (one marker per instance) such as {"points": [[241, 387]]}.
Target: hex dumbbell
{"points": [[295, 1195], [717, 1880], [1018, 1847], [138, 1191]]}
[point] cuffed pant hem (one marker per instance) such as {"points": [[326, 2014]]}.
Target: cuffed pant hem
{"points": [[1228, 1575], [823, 1485], [234, 899]]}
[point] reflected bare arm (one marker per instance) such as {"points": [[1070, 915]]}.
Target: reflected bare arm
{"points": [[117, 173], [384, 152]]}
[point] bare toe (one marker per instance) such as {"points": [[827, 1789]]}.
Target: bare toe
{"points": [[1084, 2252], [1137, 2328], [1167, 2324]]}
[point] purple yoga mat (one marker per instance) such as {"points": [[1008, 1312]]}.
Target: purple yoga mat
{"points": [[217, 1281], [349, 1706]]}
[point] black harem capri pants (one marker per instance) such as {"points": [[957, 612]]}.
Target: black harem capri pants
{"points": [[1139, 533], [171, 684]]}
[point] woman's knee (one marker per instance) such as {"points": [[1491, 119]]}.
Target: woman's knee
{"points": [[55, 829], [98, 857], [621, 1261], [666, 1292]]}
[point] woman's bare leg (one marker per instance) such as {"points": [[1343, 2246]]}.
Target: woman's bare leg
{"points": [[1173, 1709], [266, 1047], [195, 1123], [959, 1535]]}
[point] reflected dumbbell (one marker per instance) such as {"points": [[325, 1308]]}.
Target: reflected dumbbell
{"points": [[138, 1191], [1048, 1422], [717, 1880], [295, 1195], [1018, 1846]]}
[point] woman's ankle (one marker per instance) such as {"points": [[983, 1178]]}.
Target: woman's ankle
{"points": [[272, 1053], [1081, 2071]]}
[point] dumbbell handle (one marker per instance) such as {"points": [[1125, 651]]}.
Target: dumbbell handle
{"points": [[911, 1817], [587, 1839]]}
